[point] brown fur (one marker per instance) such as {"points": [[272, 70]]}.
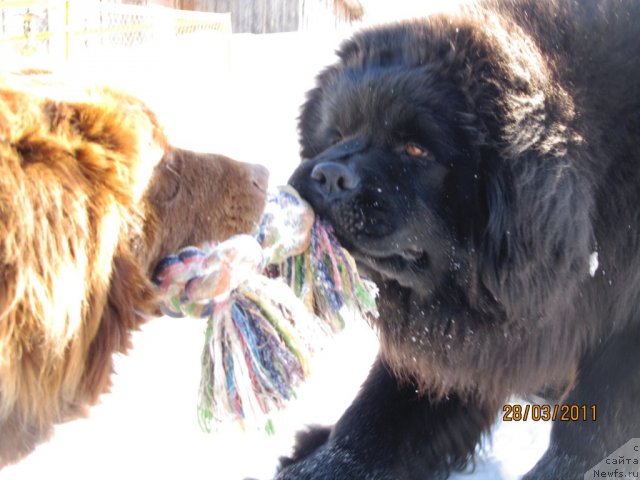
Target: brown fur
{"points": [[91, 197]]}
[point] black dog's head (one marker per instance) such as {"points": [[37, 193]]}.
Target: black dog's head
{"points": [[432, 156], [390, 161]]}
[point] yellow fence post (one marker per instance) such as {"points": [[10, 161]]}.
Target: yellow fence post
{"points": [[66, 30]]}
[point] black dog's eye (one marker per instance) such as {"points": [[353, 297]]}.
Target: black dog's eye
{"points": [[336, 137], [418, 151]]}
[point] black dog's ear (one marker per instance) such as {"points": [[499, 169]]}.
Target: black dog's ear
{"points": [[314, 120], [308, 121], [538, 238]]}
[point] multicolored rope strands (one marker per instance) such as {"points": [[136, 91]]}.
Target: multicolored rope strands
{"points": [[268, 299]]}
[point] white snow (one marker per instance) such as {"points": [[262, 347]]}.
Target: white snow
{"points": [[593, 263]]}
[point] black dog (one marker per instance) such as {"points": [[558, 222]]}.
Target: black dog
{"points": [[484, 170]]}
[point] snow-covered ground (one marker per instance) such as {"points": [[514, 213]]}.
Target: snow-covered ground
{"points": [[240, 99]]}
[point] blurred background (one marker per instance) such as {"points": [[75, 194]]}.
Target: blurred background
{"points": [[226, 76]]}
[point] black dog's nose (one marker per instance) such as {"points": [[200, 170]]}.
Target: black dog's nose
{"points": [[334, 178]]}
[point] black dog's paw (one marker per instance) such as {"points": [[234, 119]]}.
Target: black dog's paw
{"points": [[307, 442], [555, 464], [328, 463]]}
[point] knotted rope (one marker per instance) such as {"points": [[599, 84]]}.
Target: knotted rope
{"points": [[269, 297]]}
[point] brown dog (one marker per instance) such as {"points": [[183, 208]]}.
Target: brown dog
{"points": [[91, 197]]}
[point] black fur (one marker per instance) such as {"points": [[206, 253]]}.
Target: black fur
{"points": [[528, 117]]}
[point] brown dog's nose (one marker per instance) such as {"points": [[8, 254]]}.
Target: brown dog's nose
{"points": [[260, 175], [334, 178]]}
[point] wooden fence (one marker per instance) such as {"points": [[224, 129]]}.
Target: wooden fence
{"points": [[271, 16], [71, 29]]}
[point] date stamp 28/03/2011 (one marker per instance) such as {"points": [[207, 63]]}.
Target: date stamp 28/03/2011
{"points": [[545, 412]]}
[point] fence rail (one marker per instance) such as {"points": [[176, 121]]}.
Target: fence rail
{"points": [[74, 29]]}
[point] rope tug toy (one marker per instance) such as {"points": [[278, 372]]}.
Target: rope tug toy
{"points": [[268, 298]]}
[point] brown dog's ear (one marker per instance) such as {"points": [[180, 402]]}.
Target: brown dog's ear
{"points": [[538, 237]]}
